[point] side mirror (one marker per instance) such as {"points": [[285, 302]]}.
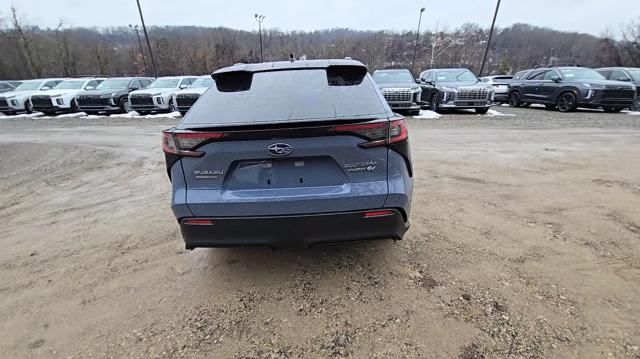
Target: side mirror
{"points": [[624, 78], [45, 88], [133, 88], [555, 78], [89, 88], [184, 86]]}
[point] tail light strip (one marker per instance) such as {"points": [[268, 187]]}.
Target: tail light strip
{"points": [[375, 134]]}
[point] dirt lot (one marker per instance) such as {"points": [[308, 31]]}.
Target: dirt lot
{"points": [[525, 243]]}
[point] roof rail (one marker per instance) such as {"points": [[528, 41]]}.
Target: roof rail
{"points": [[88, 76]]}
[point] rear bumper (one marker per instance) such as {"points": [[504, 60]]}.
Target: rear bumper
{"points": [[293, 231]]}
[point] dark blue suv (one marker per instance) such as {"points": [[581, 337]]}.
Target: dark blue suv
{"points": [[292, 153]]}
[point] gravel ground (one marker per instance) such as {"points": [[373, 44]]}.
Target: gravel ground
{"points": [[525, 243]]}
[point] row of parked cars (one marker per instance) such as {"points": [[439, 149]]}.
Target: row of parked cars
{"points": [[564, 88], [99, 94]]}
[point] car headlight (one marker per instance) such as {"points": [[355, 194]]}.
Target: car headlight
{"points": [[13, 102], [58, 95], [113, 94], [416, 89], [159, 100], [60, 101], [450, 89]]}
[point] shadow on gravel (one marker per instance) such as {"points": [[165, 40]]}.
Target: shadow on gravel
{"points": [[263, 266]]}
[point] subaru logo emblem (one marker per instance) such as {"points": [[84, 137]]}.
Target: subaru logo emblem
{"points": [[279, 149]]}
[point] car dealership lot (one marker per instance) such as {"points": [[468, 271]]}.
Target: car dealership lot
{"points": [[525, 242]]}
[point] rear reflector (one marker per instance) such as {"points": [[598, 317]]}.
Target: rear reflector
{"points": [[198, 222], [375, 214]]}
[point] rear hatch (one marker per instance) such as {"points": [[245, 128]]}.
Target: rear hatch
{"points": [[286, 150]]}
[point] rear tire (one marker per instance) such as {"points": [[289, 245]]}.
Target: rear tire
{"points": [[172, 106], [482, 110], [567, 102], [125, 105], [636, 105], [28, 106], [143, 113], [413, 112], [91, 113], [526, 104], [73, 107], [182, 113], [433, 103], [514, 99]]}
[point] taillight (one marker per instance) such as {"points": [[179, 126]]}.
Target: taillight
{"points": [[398, 131], [377, 133], [185, 143], [376, 214]]}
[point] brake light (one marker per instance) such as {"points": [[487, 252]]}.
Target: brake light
{"points": [[184, 143], [398, 131], [377, 133]]}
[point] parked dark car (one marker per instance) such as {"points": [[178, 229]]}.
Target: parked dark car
{"points": [[290, 153], [111, 96], [400, 89], [500, 85], [626, 74], [455, 89], [567, 88], [6, 86]]}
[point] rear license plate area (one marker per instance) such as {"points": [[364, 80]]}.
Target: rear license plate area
{"points": [[284, 173]]}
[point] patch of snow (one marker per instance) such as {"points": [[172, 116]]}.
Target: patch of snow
{"points": [[634, 113], [71, 115], [428, 115], [493, 112], [134, 114], [25, 115]]}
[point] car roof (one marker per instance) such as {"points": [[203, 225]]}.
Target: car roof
{"points": [[618, 68], [392, 70], [174, 77], [288, 65]]}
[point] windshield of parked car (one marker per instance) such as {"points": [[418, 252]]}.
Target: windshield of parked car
{"points": [[455, 76], [164, 83], [382, 77], [635, 74], [70, 85], [581, 74], [113, 84], [202, 82], [29, 85]]}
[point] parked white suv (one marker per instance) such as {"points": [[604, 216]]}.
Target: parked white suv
{"points": [[16, 101], [62, 98], [184, 99], [158, 97]]}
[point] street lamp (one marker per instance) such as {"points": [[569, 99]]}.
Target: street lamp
{"points": [[486, 51], [144, 28], [415, 47], [136, 28], [260, 19]]}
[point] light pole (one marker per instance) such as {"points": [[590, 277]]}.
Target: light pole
{"points": [[260, 19], [486, 51], [144, 28], [415, 47], [144, 61]]}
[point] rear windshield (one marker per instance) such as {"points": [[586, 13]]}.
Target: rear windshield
{"points": [[287, 96]]}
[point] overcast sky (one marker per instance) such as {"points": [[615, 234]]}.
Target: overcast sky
{"points": [[590, 16]]}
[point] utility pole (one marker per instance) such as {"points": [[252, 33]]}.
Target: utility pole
{"points": [[260, 19], [486, 51], [415, 47], [144, 60], [144, 28]]}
